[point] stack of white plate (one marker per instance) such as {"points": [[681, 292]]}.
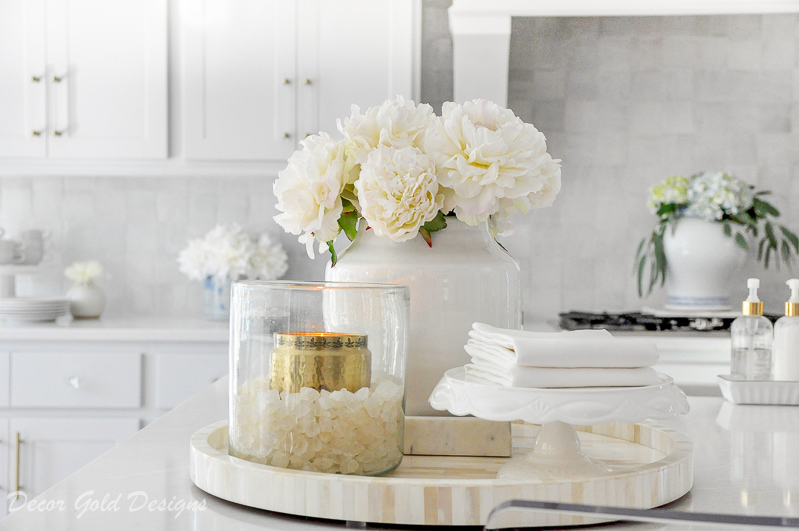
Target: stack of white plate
{"points": [[33, 309]]}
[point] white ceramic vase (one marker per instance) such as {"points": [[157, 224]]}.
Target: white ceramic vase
{"points": [[701, 261], [87, 300], [465, 277]]}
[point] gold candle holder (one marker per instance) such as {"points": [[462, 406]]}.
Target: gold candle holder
{"points": [[321, 360]]}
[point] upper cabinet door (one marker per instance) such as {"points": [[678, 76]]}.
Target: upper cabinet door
{"points": [[239, 79], [351, 52], [23, 103], [108, 78]]}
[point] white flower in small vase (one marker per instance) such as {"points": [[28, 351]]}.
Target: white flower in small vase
{"points": [[88, 300], [228, 253]]}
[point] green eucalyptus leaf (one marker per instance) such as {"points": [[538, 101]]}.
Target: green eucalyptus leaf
{"points": [[772, 238], [641, 265], [768, 254], [640, 248], [791, 237], [741, 241], [760, 249], [727, 229]]}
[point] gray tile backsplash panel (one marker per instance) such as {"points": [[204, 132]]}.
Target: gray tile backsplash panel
{"points": [[627, 101], [624, 101], [136, 227]]}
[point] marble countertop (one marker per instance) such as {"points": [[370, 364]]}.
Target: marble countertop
{"points": [[121, 328], [745, 462]]}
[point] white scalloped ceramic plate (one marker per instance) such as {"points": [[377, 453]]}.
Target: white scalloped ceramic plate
{"points": [[582, 406], [759, 392]]}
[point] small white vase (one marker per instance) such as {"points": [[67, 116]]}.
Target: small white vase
{"points": [[464, 277], [87, 300], [701, 261]]}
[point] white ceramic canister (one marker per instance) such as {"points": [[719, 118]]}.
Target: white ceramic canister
{"points": [[466, 276]]}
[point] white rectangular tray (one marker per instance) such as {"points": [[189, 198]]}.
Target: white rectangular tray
{"points": [[759, 391]]}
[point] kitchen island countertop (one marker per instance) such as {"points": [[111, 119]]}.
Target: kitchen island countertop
{"points": [[745, 462]]}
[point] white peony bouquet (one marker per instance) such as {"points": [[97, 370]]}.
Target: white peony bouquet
{"points": [[227, 251], [718, 197], [402, 169]]}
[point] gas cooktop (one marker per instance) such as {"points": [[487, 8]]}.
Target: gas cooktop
{"points": [[637, 321]]}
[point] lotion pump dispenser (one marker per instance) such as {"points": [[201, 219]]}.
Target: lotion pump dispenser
{"points": [[786, 338], [752, 336]]}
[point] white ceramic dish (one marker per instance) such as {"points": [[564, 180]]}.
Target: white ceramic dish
{"points": [[759, 392]]}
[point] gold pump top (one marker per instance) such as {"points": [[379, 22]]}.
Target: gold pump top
{"points": [[753, 308], [792, 309]]}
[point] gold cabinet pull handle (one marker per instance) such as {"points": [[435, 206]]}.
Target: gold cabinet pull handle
{"points": [[16, 468], [58, 133], [307, 81], [36, 79], [37, 133], [286, 135], [286, 81], [57, 79]]}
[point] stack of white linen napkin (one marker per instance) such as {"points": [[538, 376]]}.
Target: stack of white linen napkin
{"points": [[582, 358]]}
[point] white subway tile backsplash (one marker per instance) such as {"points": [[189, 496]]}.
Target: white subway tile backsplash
{"points": [[744, 54]]}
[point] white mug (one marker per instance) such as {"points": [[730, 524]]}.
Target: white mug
{"points": [[11, 252], [34, 235]]}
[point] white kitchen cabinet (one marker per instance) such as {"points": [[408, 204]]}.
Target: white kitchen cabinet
{"points": [[83, 79], [261, 74], [72, 392], [23, 100], [238, 78], [50, 449], [76, 379]]}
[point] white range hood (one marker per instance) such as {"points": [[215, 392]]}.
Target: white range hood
{"points": [[481, 31]]}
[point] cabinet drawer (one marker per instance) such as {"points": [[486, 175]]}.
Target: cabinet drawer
{"points": [[180, 376], [97, 380]]}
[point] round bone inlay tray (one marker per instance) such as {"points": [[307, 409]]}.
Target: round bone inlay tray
{"points": [[650, 466]]}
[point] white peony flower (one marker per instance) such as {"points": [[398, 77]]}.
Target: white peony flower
{"points": [[398, 191], [490, 162], [397, 122], [268, 261], [83, 272], [309, 191]]}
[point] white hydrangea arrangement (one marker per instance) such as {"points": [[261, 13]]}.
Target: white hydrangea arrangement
{"points": [[402, 169], [229, 252], [719, 197], [84, 272]]}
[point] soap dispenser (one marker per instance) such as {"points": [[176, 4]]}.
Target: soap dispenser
{"points": [[752, 337], [786, 338]]}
